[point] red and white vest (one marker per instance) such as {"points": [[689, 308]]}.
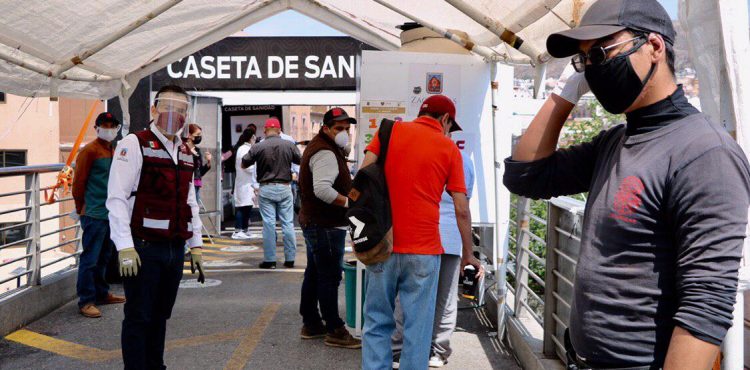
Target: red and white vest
{"points": [[161, 212]]}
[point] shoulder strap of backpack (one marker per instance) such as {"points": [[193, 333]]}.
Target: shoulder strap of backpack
{"points": [[384, 134]]}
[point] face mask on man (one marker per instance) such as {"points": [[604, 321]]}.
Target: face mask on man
{"points": [[342, 139], [615, 83], [197, 140], [171, 115], [171, 123], [107, 134]]}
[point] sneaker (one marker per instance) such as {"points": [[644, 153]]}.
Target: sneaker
{"points": [[268, 265], [239, 235], [342, 339], [313, 332], [436, 360], [112, 299], [289, 264], [89, 310], [252, 235], [396, 360]]}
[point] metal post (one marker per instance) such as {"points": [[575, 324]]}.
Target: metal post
{"points": [[522, 258], [32, 183], [550, 280], [732, 348]]}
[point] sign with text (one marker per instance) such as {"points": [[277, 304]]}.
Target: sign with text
{"points": [[465, 79], [373, 113], [268, 63]]}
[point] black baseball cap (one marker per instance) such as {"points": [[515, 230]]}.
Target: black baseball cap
{"points": [[337, 114], [105, 117], [607, 17]]}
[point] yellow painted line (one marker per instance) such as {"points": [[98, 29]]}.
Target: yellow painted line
{"points": [[201, 340], [90, 354], [244, 350], [61, 347]]}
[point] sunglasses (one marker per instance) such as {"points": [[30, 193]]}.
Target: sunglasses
{"points": [[598, 55]]}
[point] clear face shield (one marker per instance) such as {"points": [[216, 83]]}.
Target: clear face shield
{"points": [[172, 114]]}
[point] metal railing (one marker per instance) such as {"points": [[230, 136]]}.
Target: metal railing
{"points": [[544, 244], [38, 252]]}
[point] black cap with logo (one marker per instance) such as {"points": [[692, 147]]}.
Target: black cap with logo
{"points": [[337, 114], [105, 117], [606, 17]]}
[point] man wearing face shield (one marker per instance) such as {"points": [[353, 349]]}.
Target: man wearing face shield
{"points": [[668, 197], [153, 213], [324, 183], [90, 194]]}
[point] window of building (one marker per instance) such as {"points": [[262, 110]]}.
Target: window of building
{"points": [[11, 235], [12, 158]]}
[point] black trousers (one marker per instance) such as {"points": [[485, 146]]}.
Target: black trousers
{"points": [[150, 297]]}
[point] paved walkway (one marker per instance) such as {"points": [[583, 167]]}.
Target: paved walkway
{"points": [[249, 321]]}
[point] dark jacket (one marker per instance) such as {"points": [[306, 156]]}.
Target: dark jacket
{"points": [[315, 211], [274, 157]]}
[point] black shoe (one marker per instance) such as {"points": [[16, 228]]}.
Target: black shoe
{"points": [[313, 332], [289, 264], [268, 265]]}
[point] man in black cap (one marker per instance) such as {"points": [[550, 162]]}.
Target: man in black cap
{"points": [[324, 182], [666, 214]]}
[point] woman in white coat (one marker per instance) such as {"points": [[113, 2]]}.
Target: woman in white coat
{"points": [[245, 185]]}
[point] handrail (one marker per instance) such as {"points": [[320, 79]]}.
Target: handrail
{"points": [[28, 170], [38, 235]]}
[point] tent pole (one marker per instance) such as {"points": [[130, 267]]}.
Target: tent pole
{"points": [[494, 26], [78, 59], [24, 64], [489, 54]]}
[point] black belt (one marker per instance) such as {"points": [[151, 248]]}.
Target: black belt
{"points": [[276, 183]]}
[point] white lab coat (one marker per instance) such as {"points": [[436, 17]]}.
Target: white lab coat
{"points": [[246, 181]]}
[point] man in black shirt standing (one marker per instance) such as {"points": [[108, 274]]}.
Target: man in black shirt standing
{"points": [[666, 214], [274, 157]]}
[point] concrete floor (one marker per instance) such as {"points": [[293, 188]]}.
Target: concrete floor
{"points": [[249, 321]]}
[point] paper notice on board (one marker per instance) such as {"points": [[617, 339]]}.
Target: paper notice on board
{"points": [[372, 113]]}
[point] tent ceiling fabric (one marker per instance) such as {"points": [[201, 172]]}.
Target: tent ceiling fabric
{"points": [[49, 33]]}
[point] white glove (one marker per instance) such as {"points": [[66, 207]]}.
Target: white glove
{"points": [[571, 85]]}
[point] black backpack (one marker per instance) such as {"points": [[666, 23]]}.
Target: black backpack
{"points": [[369, 213]]}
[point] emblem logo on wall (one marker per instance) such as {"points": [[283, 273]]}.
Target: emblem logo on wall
{"points": [[417, 90], [434, 83]]}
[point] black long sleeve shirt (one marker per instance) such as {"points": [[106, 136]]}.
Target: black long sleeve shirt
{"points": [[662, 232]]}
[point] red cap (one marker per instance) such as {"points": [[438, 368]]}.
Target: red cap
{"points": [[273, 122], [440, 104]]}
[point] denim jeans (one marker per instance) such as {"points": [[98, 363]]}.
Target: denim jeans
{"points": [[325, 255], [150, 297], [446, 309], [276, 201], [97, 249], [414, 279], [241, 217]]}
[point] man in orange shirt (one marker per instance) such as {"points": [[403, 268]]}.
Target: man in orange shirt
{"points": [[422, 163]]}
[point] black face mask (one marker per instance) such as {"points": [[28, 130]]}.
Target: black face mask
{"points": [[615, 83], [197, 140]]}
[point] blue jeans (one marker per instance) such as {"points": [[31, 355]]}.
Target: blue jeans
{"points": [[150, 297], [325, 255], [97, 249], [276, 201], [413, 278]]}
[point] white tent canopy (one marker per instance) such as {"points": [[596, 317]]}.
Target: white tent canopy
{"points": [[101, 48]]}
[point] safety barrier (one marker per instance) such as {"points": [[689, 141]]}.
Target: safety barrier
{"points": [[38, 241], [544, 243]]}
